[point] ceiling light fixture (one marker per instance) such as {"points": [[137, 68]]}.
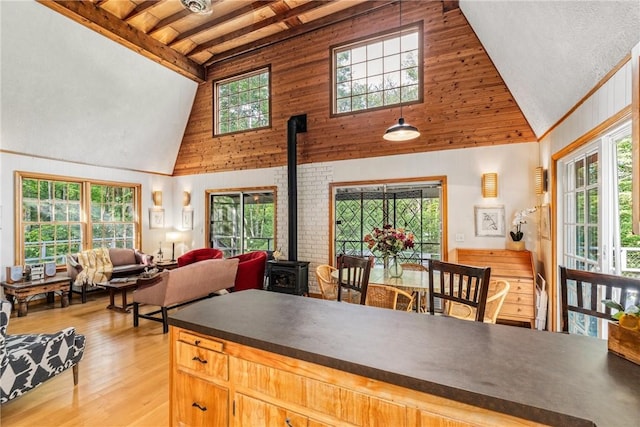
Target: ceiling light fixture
{"points": [[197, 6], [401, 131]]}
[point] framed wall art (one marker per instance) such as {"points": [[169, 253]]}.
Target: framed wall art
{"points": [[156, 218], [545, 222], [489, 221], [187, 219]]}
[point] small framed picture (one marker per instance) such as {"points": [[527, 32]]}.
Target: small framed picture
{"points": [[187, 219], [545, 222], [156, 218], [489, 221]]}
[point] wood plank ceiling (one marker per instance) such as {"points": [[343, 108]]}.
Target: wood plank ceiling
{"points": [[188, 43]]}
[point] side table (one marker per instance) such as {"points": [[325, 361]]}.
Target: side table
{"points": [[166, 265], [21, 291]]}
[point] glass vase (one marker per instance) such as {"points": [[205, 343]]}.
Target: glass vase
{"points": [[395, 269]]}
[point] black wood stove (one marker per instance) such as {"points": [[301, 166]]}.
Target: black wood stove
{"points": [[289, 277]]}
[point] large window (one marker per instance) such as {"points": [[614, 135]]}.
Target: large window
{"points": [[378, 72], [596, 216], [242, 220], [242, 102], [57, 216], [416, 207]]}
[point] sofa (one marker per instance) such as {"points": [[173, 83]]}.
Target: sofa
{"points": [[251, 269], [28, 360], [200, 254], [183, 285], [124, 262]]}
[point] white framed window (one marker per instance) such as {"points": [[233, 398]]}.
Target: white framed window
{"points": [[378, 72], [242, 102]]}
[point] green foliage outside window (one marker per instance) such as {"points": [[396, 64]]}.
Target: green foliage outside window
{"points": [[51, 221], [243, 102]]}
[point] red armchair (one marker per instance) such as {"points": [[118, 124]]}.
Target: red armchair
{"points": [[250, 270], [196, 255]]}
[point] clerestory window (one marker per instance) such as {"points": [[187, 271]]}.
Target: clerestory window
{"points": [[242, 102], [378, 72]]}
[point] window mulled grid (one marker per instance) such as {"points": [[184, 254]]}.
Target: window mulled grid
{"points": [[57, 218], [242, 102], [378, 72]]}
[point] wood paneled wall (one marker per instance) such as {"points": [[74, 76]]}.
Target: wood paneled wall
{"points": [[466, 103]]}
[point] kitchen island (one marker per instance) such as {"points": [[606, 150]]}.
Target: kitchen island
{"points": [[277, 357]]}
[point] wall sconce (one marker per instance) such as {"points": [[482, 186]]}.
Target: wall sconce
{"points": [[157, 198], [186, 198], [541, 180], [490, 184]]}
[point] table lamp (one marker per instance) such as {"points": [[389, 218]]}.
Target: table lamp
{"points": [[173, 237]]}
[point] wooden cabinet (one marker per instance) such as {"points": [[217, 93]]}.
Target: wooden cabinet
{"points": [[216, 382], [199, 387], [517, 268]]}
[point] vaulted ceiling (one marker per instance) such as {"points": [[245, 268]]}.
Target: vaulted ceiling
{"points": [[62, 84]]}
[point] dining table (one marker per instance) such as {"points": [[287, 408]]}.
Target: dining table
{"points": [[416, 281]]}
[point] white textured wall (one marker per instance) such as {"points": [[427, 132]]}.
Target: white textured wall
{"points": [[463, 168], [606, 102]]}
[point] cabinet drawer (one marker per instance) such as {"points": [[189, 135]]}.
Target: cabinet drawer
{"points": [[518, 285], [202, 360], [522, 299], [516, 310], [199, 341], [198, 402]]}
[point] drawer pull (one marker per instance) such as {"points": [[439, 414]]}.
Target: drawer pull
{"points": [[196, 405], [288, 422], [197, 342], [196, 358]]}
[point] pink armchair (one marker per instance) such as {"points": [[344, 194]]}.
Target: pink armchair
{"points": [[196, 255], [250, 270]]}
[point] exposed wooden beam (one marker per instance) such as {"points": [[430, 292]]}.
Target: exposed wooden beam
{"points": [[256, 5], [352, 12], [141, 8], [170, 20], [257, 26], [91, 16]]}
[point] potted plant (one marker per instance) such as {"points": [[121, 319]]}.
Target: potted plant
{"points": [[624, 334], [517, 234]]}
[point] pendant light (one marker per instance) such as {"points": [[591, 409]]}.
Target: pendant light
{"points": [[401, 131]]}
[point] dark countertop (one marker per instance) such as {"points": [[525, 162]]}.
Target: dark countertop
{"points": [[547, 377]]}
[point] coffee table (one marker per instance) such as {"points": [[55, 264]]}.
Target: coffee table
{"points": [[20, 291], [122, 285]]}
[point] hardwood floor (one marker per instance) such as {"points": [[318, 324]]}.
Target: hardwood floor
{"points": [[124, 374]]}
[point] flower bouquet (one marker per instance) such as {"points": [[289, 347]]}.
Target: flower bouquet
{"points": [[389, 241]]}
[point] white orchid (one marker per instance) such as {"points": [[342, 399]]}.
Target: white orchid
{"points": [[518, 219]]}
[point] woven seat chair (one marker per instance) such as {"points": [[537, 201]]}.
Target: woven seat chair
{"points": [[496, 295], [461, 284], [326, 283], [353, 278], [384, 296], [413, 266]]}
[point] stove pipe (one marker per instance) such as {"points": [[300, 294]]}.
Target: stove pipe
{"points": [[295, 125]]}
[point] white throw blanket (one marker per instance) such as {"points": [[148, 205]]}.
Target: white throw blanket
{"points": [[96, 267]]}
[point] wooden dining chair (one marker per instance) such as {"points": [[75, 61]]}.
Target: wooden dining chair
{"points": [[384, 296], [498, 290], [413, 266], [353, 278], [326, 283], [590, 289], [461, 284]]}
